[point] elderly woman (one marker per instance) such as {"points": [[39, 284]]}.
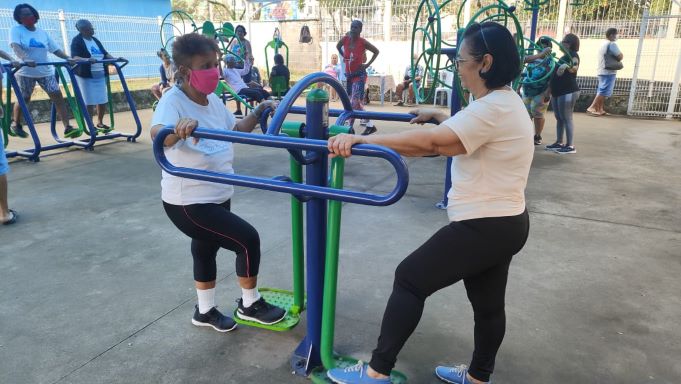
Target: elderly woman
{"points": [[168, 71], [246, 50], [90, 77], [31, 45], [491, 141]]}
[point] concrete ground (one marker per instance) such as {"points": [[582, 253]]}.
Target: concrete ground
{"points": [[96, 283]]}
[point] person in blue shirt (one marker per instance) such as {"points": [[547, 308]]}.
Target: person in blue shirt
{"points": [[407, 83], [535, 90]]}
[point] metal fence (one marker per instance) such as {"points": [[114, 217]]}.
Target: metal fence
{"points": [[655, 86], [135, 38]]}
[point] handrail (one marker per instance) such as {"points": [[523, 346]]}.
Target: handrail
{"points": [[297, 90], [284, 186]]}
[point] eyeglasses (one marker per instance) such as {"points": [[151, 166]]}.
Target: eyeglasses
{"points": [[458, 60]]}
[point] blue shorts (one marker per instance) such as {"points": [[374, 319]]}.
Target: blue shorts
{"points": [[4, 167], [606, 83]]}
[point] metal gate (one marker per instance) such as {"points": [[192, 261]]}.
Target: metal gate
{"points": [[655, 83]]}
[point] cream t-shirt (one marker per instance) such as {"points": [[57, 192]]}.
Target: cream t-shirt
{"points": [[490, 180]]}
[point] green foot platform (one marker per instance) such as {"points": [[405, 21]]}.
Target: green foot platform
{"points": [[282, 299]]}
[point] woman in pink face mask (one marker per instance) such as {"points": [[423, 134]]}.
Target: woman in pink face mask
{"points": [[201, 210]]}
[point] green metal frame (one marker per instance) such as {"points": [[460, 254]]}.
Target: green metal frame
{"points": [[431, 44], [73, 104], [224, 87], [275, 44]]}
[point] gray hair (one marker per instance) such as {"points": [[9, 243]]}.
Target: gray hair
{"points": [[82, 23]]}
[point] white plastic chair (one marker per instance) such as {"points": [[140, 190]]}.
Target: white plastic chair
{"points": [[448, 78]]}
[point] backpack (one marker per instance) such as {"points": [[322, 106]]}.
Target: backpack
{"points": [[305, 35]]}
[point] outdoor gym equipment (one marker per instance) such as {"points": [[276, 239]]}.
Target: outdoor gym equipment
{"points": [[274, 45], [429, 47], [319, 195], [77, 105], [177, 23]]}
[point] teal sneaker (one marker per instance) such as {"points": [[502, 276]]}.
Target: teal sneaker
{"points": [[453, 375], [355, 374]]}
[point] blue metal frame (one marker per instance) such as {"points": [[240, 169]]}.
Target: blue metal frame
{"points": [[86, 114], [33, 154], [313, 150]]}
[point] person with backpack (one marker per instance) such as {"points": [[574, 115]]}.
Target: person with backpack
{"points": [[352, 48], [606, 76]]}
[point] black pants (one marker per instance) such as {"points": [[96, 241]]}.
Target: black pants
{"points": [[476, 251], [211, 227], [257, 94]]}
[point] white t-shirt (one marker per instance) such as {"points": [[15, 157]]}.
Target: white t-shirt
{"points": [[210, 155], [95, 53], [490, 180], [233, 78], [614, 49], [36, 44]]}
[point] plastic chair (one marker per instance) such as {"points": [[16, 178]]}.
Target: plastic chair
{"points": [[279, 86], [448, 78]]}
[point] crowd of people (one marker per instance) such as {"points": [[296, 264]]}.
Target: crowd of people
{"points": [[490, 140]]}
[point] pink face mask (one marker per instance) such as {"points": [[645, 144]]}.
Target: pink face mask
{"points": [[204, 80]]}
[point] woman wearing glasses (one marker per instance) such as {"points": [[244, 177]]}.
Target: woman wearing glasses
{"points": [[491, 141]]}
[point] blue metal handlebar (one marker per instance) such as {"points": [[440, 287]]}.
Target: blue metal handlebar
{"points": [[297, 90], [103, 61], [283, 186]]}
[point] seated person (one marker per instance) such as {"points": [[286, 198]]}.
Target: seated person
{"points": [[233, 78], [279, 69], [256, 80], [167, 70], [407, 84]]}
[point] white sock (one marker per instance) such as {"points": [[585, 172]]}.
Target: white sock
{"points": [[249, 296], [206, 299]]}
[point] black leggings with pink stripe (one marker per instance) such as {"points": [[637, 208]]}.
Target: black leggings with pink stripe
{"points": [[211, 227]]}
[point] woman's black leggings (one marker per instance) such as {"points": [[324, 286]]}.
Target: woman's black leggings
{"points": [[476, 251], [211, 227]]}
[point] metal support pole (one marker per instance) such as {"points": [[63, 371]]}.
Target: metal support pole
{"points": [[634, 77], [533, 25], [675, 89], [562, 11], [64, 36], [455, 107], [387, 19], [307, 355]]}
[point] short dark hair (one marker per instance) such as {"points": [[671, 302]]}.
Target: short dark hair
{"points": [[494, 39], [544, 42], [192, 44], [278, 59], [572, 41], [17, 9], [610, 32], [240, 27]]}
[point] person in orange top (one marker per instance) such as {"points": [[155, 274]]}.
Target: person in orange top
{"points": [[352, 48]]}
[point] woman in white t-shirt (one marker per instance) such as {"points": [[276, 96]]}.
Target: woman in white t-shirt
{"points": [[31, 45], [492, 145], [90, 77], [201, 209]]}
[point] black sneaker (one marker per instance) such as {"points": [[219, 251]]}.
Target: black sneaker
{"points": [[537, 140], [554, 147], [261, 312], [213, 318], [17, 130], [71, 132], [369, 130]]}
